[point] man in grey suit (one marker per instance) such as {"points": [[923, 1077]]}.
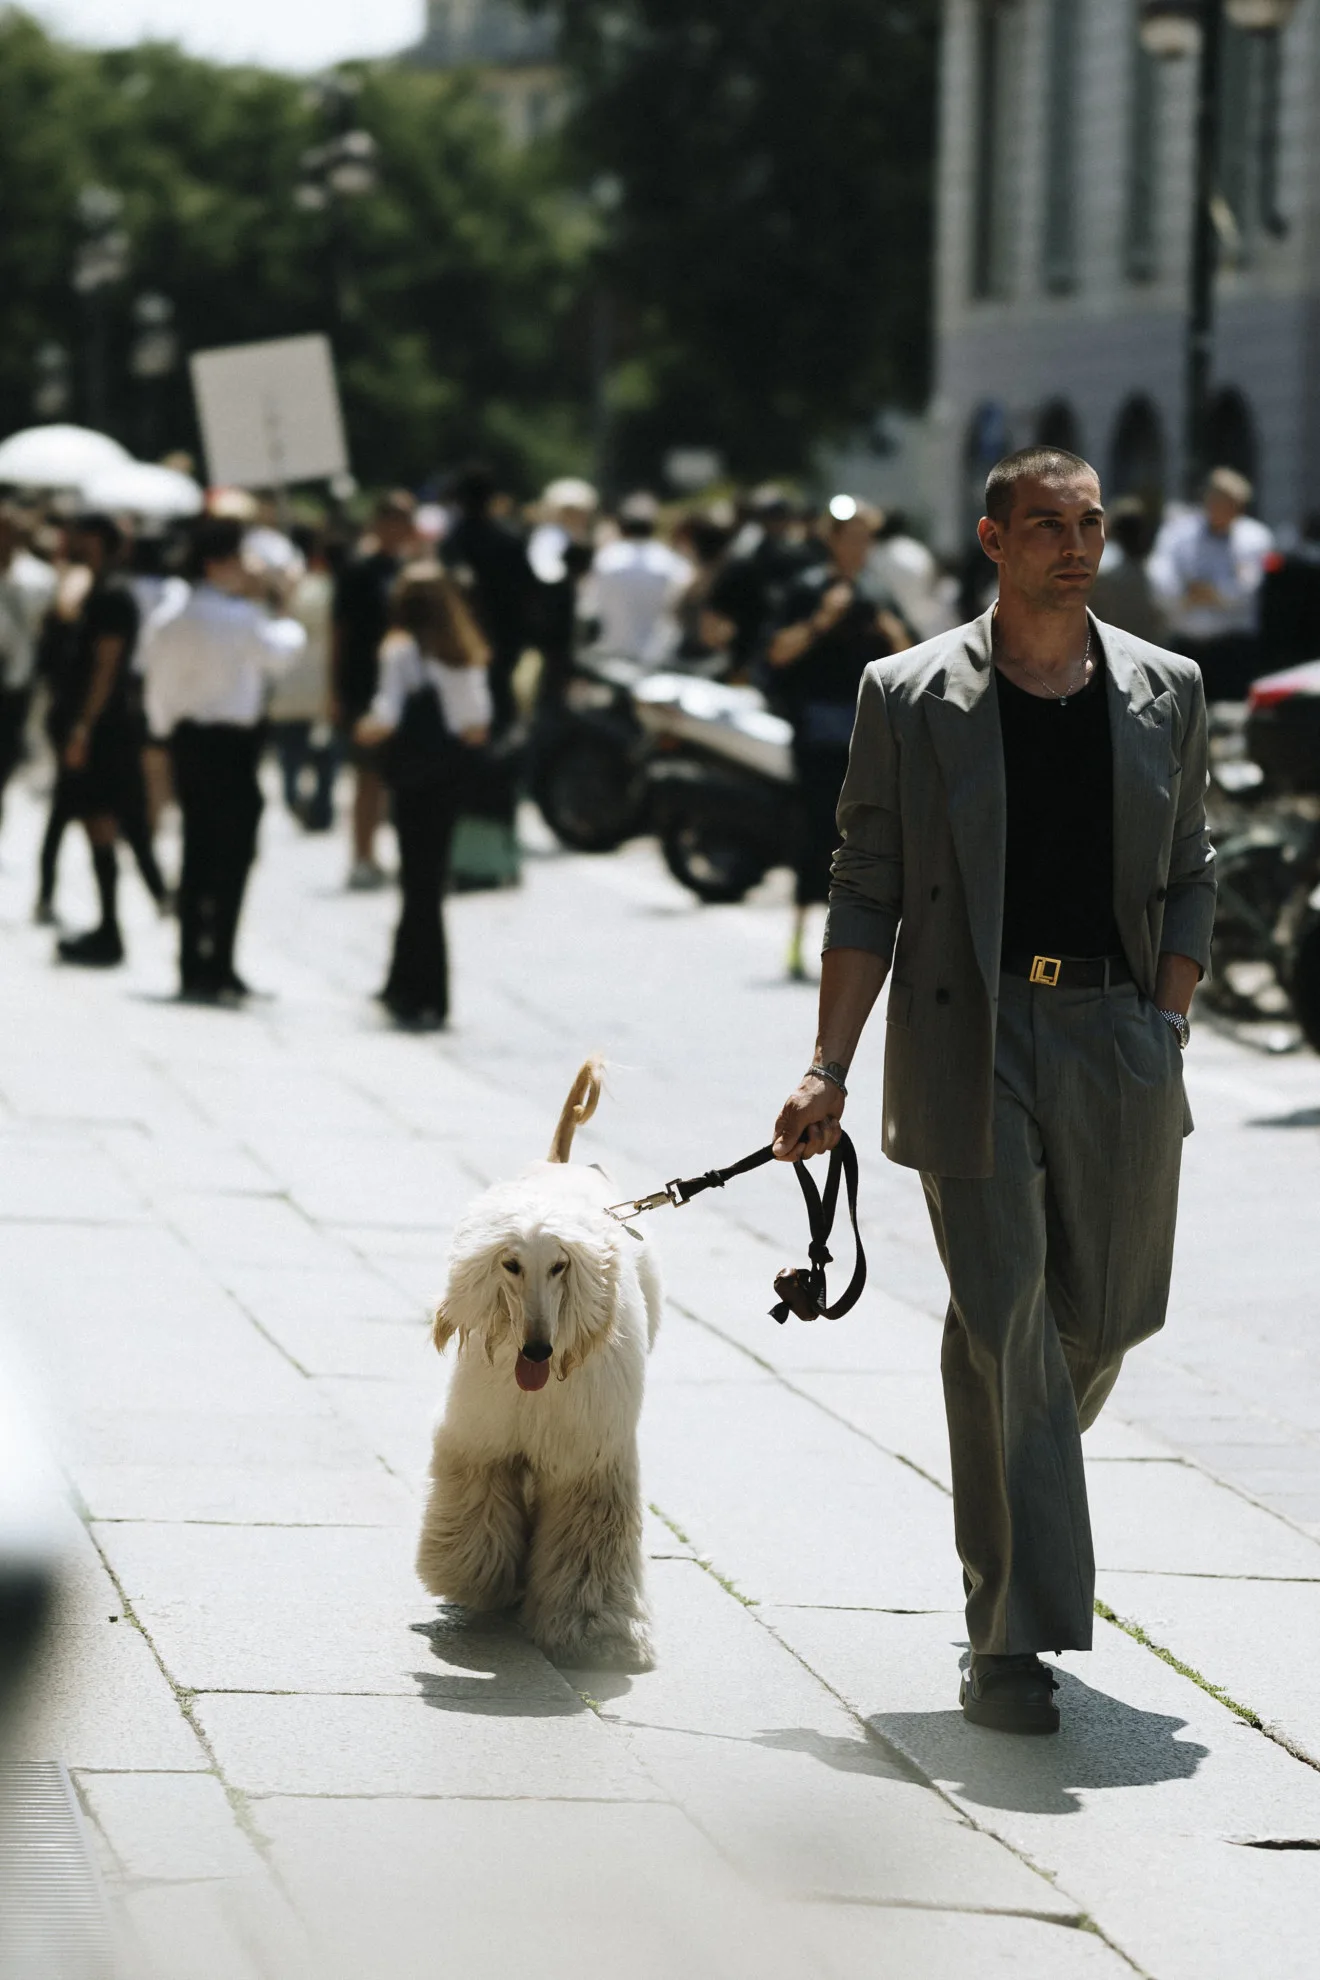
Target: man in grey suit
{"points": [[1024, 838]]}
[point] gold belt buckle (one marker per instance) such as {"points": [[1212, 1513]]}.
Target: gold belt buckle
{"points": [[1046, 970]]}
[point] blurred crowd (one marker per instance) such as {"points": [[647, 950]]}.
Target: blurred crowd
{"points": [[417, 652]]}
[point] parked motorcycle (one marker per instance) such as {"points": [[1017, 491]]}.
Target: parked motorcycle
{"points": [[1268, 866], [721, 782], [587, 758]]}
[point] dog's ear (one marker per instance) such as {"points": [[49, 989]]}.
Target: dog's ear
{"points": [[475, 1301], [591, 1284]]}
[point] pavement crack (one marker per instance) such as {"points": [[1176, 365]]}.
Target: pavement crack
{"points": [[1211, 1689]]}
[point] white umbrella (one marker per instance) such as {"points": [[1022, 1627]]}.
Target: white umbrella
{"points": [[56, 456], [138, 488]]}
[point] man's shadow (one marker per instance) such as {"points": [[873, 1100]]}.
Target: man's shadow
{"points": [[1103, 1743]]}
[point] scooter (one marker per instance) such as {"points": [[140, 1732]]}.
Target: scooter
{"points": [[721, 782]]}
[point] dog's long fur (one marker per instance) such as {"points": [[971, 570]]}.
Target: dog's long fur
{"points": [[535, 1497]]}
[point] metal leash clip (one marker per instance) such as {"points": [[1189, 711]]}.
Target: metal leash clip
{"points": [[671, 1193]]}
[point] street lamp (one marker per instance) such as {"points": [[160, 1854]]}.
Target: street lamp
{"points": [[1180, 28], [52, 390], [152, 357], [100, 263], [333, 173]]}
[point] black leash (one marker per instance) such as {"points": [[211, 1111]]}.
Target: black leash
{"points": [[802, 1289]]}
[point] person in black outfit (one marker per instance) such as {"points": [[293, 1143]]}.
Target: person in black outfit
{"points": [[361, 620], [93, 726], [490, 562], [432, 710], [834, 623], [748, 592]]}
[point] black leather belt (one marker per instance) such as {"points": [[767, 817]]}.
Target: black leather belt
{"points": [[1067, 972]]}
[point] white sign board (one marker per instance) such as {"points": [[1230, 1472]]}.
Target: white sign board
{"points": [[269, 412]]}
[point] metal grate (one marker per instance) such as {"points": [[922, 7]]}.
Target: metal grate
{"points": [[53, 1921]]}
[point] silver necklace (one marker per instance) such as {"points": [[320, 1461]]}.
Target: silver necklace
{"points": [[1068, 692]]}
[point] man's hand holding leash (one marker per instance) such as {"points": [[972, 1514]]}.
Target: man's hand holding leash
{"points": [[809, 1121]]}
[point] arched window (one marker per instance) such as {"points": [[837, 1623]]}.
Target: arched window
{"points": [[1057, 426], [1137, 453], [1230, 433], [985, 441]]}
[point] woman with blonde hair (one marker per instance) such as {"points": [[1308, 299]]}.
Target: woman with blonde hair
{"points": [[431, 714]]}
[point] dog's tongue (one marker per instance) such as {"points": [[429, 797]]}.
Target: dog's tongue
{"points": [[532, 1375]]}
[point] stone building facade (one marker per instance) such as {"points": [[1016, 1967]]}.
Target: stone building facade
{"points": [[1064, 200], [512, 51]]}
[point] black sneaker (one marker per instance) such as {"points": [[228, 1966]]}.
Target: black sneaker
{"points": [[100, 948], [1009, 1694]]}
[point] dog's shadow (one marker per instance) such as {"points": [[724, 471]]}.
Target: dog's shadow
{"points": [[489, 1668]]}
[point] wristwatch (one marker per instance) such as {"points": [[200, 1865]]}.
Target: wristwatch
{"points": [[1178, 1024]]}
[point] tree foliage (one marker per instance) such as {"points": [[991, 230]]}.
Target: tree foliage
{"points": [[770, 248], [449, 289]]}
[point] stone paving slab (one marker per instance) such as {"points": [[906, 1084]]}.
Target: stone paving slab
{"points": [[236, 1929], [842, 1523], [275, 1608], [260, 1494], [169, 1828], [556, 1888], [783, 1779], [445, 1740], [1170, 1518]]}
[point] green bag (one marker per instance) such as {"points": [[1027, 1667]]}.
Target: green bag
{"points": [[484, 853]]}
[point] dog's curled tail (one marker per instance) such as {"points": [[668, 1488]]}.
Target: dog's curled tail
{"points": [[578, 1108]]}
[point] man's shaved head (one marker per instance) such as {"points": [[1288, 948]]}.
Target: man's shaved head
{"points": [[1030, 464]]}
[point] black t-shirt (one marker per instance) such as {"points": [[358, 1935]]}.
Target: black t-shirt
{"points": [[749, 589], [501, 577], [818, 692], [362, 609], [109, 611], [1059, 868]]}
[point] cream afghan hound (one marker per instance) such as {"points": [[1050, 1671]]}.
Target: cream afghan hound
{"points": [[535, 1496]]}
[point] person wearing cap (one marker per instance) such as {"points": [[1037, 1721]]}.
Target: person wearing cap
{"points": [[1206, 570], [1024, 841], [835, 621], [634, 588]]}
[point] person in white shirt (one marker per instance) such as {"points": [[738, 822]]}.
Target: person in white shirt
{"points": [[902, 565], [27, 590], [635, 587], [208, 662], [1206, 570], [431, 713]]}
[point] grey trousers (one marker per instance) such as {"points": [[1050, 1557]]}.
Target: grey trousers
{"points": [[1057, 1265]]}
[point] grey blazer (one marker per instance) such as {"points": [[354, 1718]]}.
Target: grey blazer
{"points": [[919, 877]]}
